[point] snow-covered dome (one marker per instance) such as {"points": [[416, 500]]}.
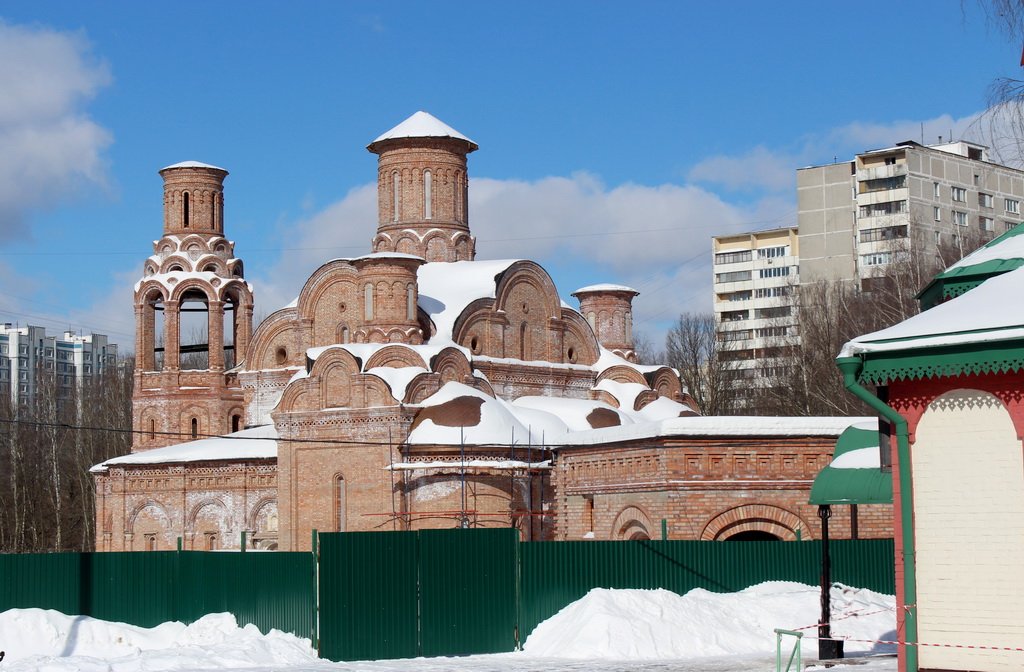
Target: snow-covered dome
{"points": [[423, 125], [191, 164]]}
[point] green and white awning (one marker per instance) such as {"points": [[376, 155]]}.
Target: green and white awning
{"points": [[854, 476]]}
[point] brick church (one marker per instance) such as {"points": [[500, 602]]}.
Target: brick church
{"points": [[416, 387]]}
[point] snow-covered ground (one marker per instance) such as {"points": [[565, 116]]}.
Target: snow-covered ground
{"points": [[607, 630]]}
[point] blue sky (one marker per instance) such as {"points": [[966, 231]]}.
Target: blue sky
{"points": [[614, 140]]}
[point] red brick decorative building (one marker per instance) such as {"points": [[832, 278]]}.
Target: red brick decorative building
{"points": [[416, 387], [950, 382]]}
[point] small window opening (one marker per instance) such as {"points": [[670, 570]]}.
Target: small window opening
{"points": [[280, 355], [236, 423], [427, 206], [184, 208], [152, 428], [195, 428]]}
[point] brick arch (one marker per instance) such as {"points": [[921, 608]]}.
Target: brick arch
{"points": [[622, 374], [141, 507], [252, 520], [277, 330], [395, 356], [451, 365], [534, 275], [198, 284], [666, 383], [579, 336], [632, 523], [756, 517], [151, 288], [197, 508], [321, 281], [176, 259]]}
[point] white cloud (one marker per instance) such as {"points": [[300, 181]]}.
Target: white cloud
{"points": [[50, 148], [759, 168], [773, 169]]}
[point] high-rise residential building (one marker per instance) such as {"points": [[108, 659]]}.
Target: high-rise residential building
{"points": [[908, 203], [27, 354], [755, 275]]}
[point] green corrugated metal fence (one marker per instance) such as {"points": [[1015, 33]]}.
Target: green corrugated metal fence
{"points": [[554, 574], [425, 593], [269, 590], [406, 594]]}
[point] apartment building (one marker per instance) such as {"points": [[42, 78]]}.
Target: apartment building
{"points": [[905, 202], [855, 219], [27, 354], [755, 275]]}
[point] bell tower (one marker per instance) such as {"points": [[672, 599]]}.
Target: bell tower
{"points": [[423, 190], [193, 317]]}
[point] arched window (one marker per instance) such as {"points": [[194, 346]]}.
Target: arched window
{"points": [[344, 335], [368, 302], [152, 428], [195, 428], [339, 503], [184, 209], [396, 189], [410, 303], [236, 423], [427, 206]]}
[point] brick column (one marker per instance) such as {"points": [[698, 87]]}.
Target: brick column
{"points": [[215, 339], [172, 320]]}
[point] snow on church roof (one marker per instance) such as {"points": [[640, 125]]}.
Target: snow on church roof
{"points": [[446, 288], [604, 287], [422, 125], [254, 443], [191, 164], [986, 313]]}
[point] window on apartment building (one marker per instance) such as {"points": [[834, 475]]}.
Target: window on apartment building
{"points": [[737, 335], [772, 252], [985, 200], [770, 292], [938, 238], [881, 209], [735, 315], [1008, 225], [958, 194], [771, 332], [733, 257], [738, 296], [876, 259], [890, 160], [23, 349], [733, 276], [884, 233], [884, 184], [1012, 205], [936, 190], [937, 213], [977, 180], [774, 272], [960, 218], [986, 224], [772, 313]]}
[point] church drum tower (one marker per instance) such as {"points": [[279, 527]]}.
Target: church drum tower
{"points": [[193, 318]]}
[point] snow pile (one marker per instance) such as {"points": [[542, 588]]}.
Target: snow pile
{"points": [[658, 624], [44, 639]]}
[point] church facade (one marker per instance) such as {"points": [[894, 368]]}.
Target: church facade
{"points": [[416, 387]]}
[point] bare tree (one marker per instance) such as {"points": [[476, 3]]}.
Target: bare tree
{"points": [[694, 347], [51, 437]]}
